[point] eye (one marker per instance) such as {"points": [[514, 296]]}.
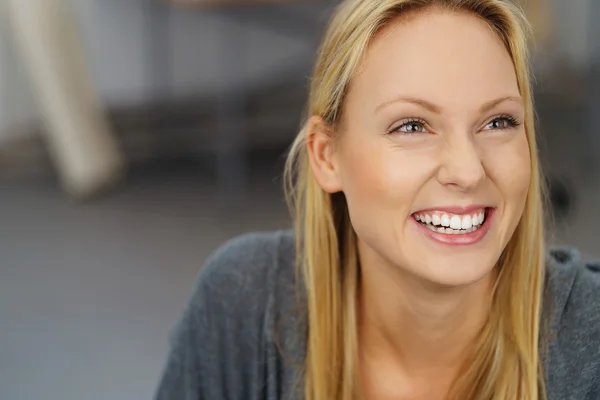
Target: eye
{"points": [[502, 123], [411, 127]]}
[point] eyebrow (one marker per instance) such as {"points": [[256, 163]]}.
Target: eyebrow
{"points": [[438, 110]]}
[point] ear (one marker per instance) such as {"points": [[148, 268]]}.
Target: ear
{"points": [[320, 143]]}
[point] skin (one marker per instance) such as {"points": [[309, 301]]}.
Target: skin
{"points": [[422, 302]]}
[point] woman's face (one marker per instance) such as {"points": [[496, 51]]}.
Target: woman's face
{"points": [[432, 153]]}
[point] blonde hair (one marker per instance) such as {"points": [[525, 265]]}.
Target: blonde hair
{"points": [[506, 364]]}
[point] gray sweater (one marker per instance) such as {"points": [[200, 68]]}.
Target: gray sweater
{"points": [[242, 334]]}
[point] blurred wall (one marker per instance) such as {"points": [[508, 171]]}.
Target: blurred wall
{"points": [[117, 41], [572, 21]]}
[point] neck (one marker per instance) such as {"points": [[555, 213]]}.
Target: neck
{"points": [[416, 326]]}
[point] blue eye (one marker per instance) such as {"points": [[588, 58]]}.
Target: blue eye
{"points": [[502, 123], [411, 127]]}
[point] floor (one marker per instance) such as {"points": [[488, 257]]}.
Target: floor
{"points": [[89, 292]]}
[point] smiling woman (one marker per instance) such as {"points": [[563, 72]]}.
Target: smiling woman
{"points": [[416, 191]]}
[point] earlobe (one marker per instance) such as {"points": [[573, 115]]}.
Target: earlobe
{"points": [[321, 154]]}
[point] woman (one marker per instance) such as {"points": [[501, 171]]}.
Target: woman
{"points": [[419, 233]]}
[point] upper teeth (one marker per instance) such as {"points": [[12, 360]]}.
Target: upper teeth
{"points": [[453, 221]]}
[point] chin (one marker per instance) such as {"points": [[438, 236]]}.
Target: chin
{"points": [[454, 270]]}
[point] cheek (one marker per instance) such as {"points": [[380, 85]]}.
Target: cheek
{"points": [[377, 176], [365, 178], [509, 166]]}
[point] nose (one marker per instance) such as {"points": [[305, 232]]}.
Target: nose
{"points": [[461, 167]]}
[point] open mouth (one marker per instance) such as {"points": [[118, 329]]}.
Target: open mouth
{"points": [[453, 224]]}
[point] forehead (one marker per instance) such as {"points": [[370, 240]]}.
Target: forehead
{"points": [[449, 58]]}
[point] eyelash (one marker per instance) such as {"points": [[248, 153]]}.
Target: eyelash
{"points": [[410, 121], [511, 121]]}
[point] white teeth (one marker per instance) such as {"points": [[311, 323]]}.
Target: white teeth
{"points": [[466, 222], [445, 220], [455, 222], [479, 218], [451, 224], [450, 231]]}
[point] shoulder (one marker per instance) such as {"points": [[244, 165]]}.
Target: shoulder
{"points": [[242, 271], [574, 338], [219, 345], [575, 285]]}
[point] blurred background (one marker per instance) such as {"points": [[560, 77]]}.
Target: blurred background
{"points": [[138, 135]]}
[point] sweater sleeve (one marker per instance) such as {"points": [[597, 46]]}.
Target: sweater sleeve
{"points": [[217, 346]]}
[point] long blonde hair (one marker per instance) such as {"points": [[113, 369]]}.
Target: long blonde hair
{"points": [[506, 364]]}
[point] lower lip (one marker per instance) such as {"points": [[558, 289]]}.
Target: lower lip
{"points": [[464, 239]]}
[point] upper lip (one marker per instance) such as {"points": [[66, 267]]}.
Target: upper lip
{"points": [[455, 209]]}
